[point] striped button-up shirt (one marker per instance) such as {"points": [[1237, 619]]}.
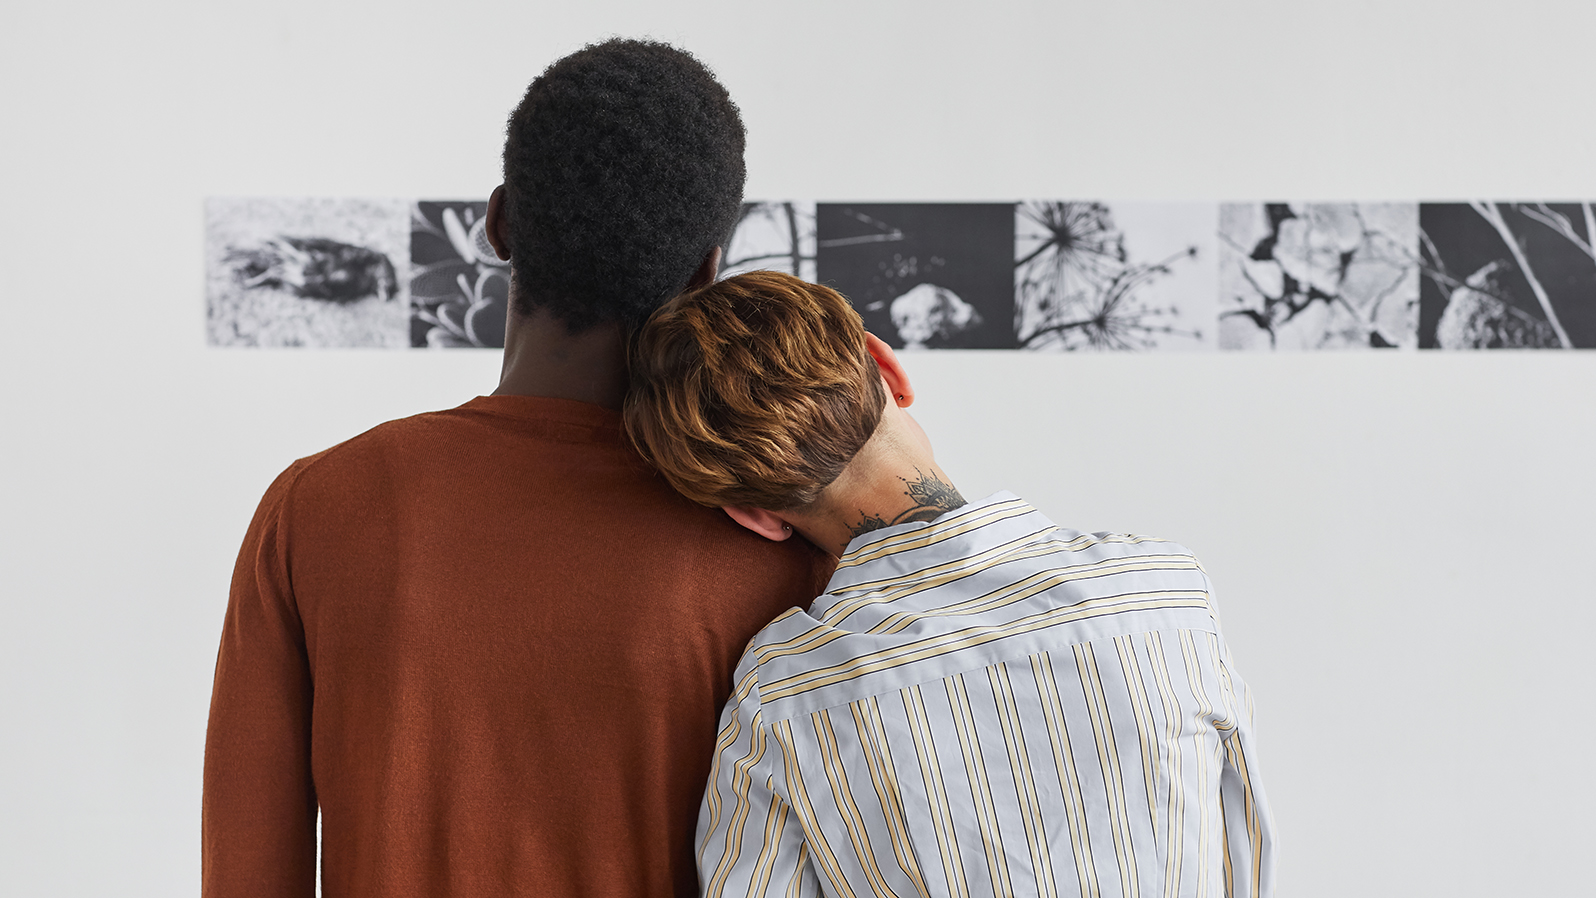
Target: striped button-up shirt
{"points": [[985, 705]]}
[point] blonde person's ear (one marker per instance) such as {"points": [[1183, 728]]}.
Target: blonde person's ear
{"points": [[892, 373], [765, 523]]}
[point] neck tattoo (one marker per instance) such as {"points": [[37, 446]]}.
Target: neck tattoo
{"points": [[929, 496]]}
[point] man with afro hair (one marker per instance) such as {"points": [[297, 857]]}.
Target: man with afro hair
{"points": [[488, 645]]}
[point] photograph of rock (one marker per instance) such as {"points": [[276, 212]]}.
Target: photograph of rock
{"points": [[1318, 275], [306, 272], [1114, 276], [1508, 275], [923, 275], [773, 236], [459, 288]]}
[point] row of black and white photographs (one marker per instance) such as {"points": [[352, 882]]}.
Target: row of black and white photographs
{"points": [[1045, 275]]}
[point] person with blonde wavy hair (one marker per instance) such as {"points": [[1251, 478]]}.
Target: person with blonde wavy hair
{"points": [[752, 395], [981, 702]]}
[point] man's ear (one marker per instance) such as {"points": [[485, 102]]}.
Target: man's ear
{"points": [[765, 523], [707, 270], [494, 227], [899, 390]]}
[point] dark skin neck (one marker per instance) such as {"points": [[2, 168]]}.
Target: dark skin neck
{"points": [[543, 358]]}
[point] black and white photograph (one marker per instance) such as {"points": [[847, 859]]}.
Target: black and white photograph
{"points": [[1092, 276], [1303, 276], [295, 271], [923, 275], [773, 235], [459, 288], [1508, 275]]}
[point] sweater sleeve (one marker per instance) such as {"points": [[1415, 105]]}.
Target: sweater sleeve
{"points": [[258, 814]]}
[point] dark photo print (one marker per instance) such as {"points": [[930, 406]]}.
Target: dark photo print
{"points": [[305, 272], [1508, 275], [923, 275], [459, 288]]}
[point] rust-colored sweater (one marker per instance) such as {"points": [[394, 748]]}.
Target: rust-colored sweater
{"points": [[493, 646]]}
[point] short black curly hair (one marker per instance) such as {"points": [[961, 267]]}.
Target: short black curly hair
{"points": [[623, 169]]}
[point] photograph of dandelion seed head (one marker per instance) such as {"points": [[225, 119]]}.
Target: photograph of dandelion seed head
{"points": [[1096, 276], [1318, 276], [314, 272]]}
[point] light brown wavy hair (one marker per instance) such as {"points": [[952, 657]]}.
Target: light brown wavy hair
{"points": [[756, 390]]}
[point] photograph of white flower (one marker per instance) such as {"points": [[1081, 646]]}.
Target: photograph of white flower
{"points": [[459, 288]]}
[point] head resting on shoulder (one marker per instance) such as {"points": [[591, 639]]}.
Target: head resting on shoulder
{"points": [[763, 394]]}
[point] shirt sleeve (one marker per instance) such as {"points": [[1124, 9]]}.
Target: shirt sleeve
{"points": [[750, 842], [1249, 825], [258, 813]]}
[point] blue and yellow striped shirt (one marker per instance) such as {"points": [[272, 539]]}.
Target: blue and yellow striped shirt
{"points": [[990, 705]]}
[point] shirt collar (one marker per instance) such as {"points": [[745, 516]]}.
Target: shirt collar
{"points": [[891, 553]]}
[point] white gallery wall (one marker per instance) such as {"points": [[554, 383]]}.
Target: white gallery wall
{"points": [[1402, 540]]}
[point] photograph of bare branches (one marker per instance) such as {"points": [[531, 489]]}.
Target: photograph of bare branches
{"points": [[1508, 275], [459, 288], [1318, 275], [1114, 276], [923, 275], [305, 272], [773, 236]]}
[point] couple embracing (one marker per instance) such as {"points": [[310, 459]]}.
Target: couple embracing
{"points": [[687, 605]]}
